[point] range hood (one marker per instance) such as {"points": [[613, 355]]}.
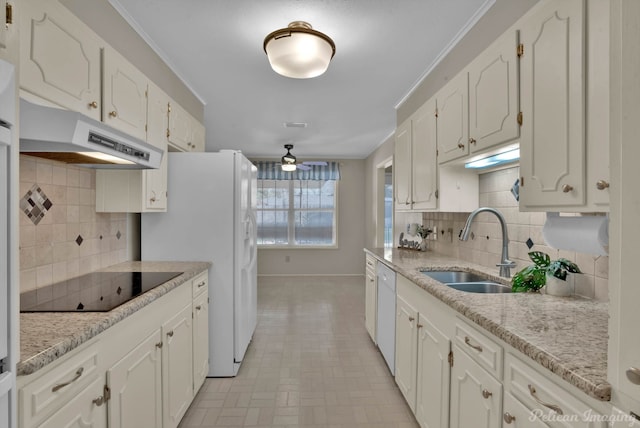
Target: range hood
{"points": [[71, 137]]}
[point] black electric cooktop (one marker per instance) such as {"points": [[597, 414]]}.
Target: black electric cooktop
{"points": [[93, 292]]}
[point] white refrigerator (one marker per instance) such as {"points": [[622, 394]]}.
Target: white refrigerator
{"points": [[211, 217]]}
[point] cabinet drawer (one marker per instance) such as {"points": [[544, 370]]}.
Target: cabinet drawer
{"points": [[370, 263], [483, 350], [200, 283], [52, 390], [540, 395]]}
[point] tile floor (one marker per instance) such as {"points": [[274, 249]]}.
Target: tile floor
{"points": [[311, 364]]}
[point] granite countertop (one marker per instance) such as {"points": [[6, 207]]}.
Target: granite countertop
{"points": [[47, 336], [553, 331]]}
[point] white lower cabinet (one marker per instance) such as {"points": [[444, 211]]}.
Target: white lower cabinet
{"points": [[135, 383], [433, 372], [143, 371], [406, 350], [82, 411], [517, 415], [454, 374], [371, 297], [476, 396], [177, 366]]}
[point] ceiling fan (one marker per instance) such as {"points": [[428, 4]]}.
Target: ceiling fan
{"points": [[289, 162]]}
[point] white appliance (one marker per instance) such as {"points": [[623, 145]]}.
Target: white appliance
{"points": [[7, 249], [386, 319], [211, 217]]}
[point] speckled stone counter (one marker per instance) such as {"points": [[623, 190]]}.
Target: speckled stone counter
{"points": [[567, 335], [46, 336]]}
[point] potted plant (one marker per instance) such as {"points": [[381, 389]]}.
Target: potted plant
{"points": [[554, 274]]}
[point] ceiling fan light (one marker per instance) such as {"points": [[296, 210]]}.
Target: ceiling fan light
{"points": [[288, 167], [299, 51]]}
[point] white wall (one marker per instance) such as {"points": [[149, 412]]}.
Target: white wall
{"points": [[348, 258]]}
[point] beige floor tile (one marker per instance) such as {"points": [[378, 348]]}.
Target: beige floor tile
{"points": [[311, 364]]}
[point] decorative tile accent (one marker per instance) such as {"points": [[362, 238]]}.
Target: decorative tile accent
{"points": [[79, 240], [529, 243], [35, 204], [118, 235]]}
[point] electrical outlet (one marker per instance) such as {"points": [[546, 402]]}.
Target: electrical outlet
{"points": [[434, 234], [287, 259]]}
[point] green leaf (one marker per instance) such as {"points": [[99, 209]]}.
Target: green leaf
{"points": [[531, 278], [569, 266], [540, 258]]}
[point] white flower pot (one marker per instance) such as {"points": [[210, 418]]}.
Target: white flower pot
{"points": [[557, 287]]}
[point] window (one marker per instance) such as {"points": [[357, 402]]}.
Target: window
{"points": [[296, 213]]}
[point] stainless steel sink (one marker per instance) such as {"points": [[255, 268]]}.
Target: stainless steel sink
{"points": [[447, 277], [467, 281], [480, 287]]}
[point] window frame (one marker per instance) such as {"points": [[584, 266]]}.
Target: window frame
{"points": [[291, 210]]}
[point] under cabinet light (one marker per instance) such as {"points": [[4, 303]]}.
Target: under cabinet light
{"points": [[498, 159]]}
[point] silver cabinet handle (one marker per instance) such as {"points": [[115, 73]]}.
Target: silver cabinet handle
{"points": [[486, 394], [508, 418], [553, 407], [75, 378], [633, 374], [566, 188], [411, 319], [159, 345], [468, 342], [202, 284], [198, 307], [601, 185], [170, 333]]}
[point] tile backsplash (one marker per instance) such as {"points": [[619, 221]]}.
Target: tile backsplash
{"points": [[61, 235], [525, 232]]}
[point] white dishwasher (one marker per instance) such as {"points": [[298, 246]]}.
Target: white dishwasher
{"points": [[386, 324]]}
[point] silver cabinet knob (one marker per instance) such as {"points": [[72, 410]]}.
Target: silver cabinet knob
{"points": [[461, 146], [566, 188], [486, 394], [601, 185], [508, 418], [633, 374]]}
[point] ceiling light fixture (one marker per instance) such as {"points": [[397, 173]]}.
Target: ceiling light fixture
{"points": [[299, 51], [288, 160]]}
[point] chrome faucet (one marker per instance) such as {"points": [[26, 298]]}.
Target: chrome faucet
{"points": [[505, 264]]}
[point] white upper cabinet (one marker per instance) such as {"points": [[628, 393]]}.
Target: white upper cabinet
{"points": [[59, 57], [424, 185], [493, 95], [415, 165], [198, 141], [125, 95], [453, 119], [155, 180], [552, 88]]}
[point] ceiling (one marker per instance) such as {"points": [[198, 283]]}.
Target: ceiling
{"points": [[383, 49]]}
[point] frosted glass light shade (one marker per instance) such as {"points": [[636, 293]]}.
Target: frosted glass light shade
{"points": [[299, 51], [288, 167]]}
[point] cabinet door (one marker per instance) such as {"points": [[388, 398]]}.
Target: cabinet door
{"points": [[493, 95], [552, 147], [424, 163], [371, 304], [516, 415], [476, 396], [59, 57], [179, 134], [136, 386], [198, 141], [453, 119], [125, 95], [432, 399], [402, 167], [406, 350], [155, 180], [200, 340], [81, 411], [177, 367]]}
